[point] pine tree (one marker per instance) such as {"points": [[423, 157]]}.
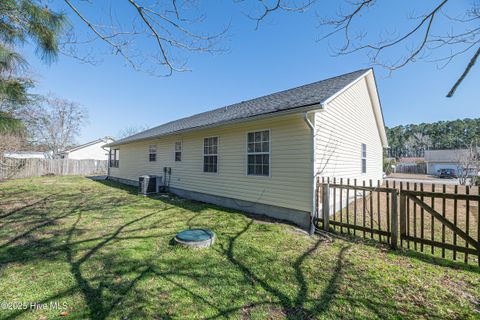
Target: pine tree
{"points": [[413, 139], [23, 21]]}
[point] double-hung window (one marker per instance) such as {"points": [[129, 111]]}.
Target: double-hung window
{"points": [[210, 154], [258, 153], [114, 158], [152, 152], [178, 151], [364, 158]]}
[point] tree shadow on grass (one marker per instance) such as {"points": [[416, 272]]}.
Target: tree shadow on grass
{"points": [[436, 260], [117, 185], [302, 306], [193, 205], [99, 306], [412, 254], [115, 291], [25, 206], [63, 246], [28, 243], [292, 308], [306, 304]]}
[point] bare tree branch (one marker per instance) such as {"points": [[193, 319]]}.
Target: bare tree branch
{"points": [[344, 23], [171, 30], [130, 131], [468, 161], [157, 37], [464, 74], [118, 48], [421, 34], [56, 123], [280, 5], [170, 26], [10, 143]]}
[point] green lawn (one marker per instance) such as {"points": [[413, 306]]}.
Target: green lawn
{"points": [[104, 252]]}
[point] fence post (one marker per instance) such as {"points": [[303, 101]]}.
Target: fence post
{"points": [[326, 205], [403, 214], [394, 220]]}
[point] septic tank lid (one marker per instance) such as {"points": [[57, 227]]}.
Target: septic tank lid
{"points": [[199, 238]]}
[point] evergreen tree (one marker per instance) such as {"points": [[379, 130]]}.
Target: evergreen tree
{"points": [[22, 21], [413, 139]]}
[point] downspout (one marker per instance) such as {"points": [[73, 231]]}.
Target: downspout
{"points": [[314, 203], [108, 163]]}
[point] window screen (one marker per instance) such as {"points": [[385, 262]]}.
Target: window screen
{"points": [[152, 152], [178, 151], [364, 158], [210, 155], [258, 153]]}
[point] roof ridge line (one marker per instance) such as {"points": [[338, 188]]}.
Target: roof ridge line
{"points": [[268, 102]]}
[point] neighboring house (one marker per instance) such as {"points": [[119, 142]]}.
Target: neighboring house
{"points": [[263, 155], [445, 159], [93, 150], [27, 155]]}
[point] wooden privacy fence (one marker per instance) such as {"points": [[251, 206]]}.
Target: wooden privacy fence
{"points": [[417, 168], [439, 219], [11, 168]]}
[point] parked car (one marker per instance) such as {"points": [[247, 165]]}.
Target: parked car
{"points": [[447, 173]]}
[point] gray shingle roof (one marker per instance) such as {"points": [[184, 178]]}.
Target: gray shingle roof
{"points": [[80, 146], [453, 155], [306, 95]]}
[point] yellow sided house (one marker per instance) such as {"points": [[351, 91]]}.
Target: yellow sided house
{"points": [[263, 155]]}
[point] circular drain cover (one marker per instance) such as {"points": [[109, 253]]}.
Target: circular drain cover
{"points": [[198, 238]]}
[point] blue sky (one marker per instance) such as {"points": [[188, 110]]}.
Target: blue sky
{"points": [[282, 54]]}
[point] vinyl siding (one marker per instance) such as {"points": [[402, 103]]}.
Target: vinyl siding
{"points": [[94, 151], [342, 127], [289, 184]]}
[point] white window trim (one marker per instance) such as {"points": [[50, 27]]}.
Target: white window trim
{"points": [[363, 158], [175, 151], [149, 152], [114, 153], [216, 154], [251, 153]]}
